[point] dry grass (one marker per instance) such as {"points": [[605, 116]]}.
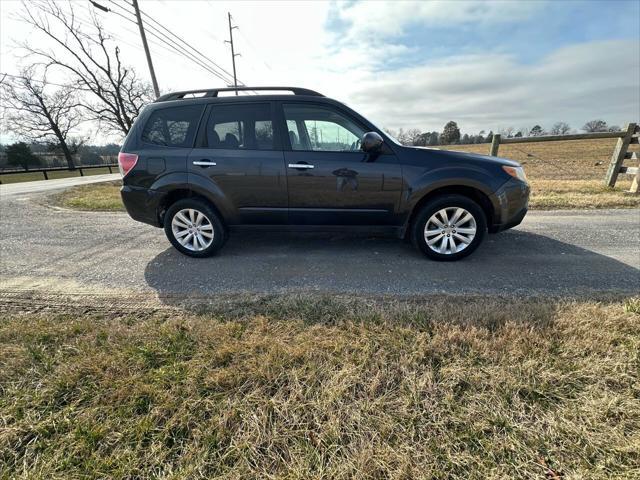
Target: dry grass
{"points": [[568, 174], [99, 197], [315, 387], [566, 160], [580, 194]]}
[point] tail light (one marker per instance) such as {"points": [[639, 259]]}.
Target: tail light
{"points": [[126, 161]]}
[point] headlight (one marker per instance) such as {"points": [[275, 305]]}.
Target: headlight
{"points": [[516, 172]]}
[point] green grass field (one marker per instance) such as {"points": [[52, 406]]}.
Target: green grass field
{"points": [[34, 176], [324, 388], [97, 197]]}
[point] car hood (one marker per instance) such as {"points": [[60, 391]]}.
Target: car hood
{"points": [[468, 156]]}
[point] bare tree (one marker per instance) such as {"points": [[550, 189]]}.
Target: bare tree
{"points": [[560, 128], [507, 132], [402, 137], [595, 126], [91, 60], [391, 132], [413, 136], [39, 116]]}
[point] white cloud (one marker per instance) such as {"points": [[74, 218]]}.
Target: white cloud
{"points": [[573, 84], [288, 43], [374, 20]]}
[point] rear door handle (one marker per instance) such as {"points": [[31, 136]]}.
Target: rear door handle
{"points": [[204, 163], [300, 165]]}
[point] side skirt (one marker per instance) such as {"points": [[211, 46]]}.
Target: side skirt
{"points": [[354, 229]]}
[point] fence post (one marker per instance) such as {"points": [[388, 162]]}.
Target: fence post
{"points": [[46, 177], [619, 154], [636, 182], [495, 145], [81, 174]]}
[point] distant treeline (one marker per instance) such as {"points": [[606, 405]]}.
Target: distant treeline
{"points": [[41, 155], [451, 134]]}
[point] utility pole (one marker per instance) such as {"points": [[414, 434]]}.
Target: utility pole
{"points": [[233, 53], [146, 49]]}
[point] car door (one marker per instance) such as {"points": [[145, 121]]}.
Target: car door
{"points": [[165, 143], [331, 181], [238, 153]]}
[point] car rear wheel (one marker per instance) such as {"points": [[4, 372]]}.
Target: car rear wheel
{"points": [[449, 228], [194, 228]]}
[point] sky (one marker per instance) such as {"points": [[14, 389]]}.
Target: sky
{"points": [[487, 65]]}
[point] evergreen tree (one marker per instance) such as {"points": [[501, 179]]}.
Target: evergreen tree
{"points": [[536, 131], [490, 136], [450, 134], [20, 154]]}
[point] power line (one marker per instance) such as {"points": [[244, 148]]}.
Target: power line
{"points": [[171, 45], [199, 57], [131, 32], [187, 44], [174, 46], [89, 23], [168, 42]]}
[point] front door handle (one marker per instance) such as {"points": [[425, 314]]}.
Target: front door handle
{"points": [[204, 163], [300, 165]]}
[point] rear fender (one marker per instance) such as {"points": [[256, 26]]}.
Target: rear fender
{"points": [[199, 186]]}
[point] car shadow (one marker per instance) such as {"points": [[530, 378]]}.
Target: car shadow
{"points": [[513, 262]]}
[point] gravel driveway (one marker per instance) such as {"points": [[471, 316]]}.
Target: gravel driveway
{"points": [[562, 252]]}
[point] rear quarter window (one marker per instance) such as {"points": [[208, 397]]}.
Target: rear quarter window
{"points": [[172, 127]]}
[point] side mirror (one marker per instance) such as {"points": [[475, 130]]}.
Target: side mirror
{"points": [[371, 142]]}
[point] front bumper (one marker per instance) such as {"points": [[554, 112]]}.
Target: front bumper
{"points": [[511, 203], [142, 204]]}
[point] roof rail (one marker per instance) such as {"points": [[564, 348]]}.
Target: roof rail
{"points": [[213, 92]]}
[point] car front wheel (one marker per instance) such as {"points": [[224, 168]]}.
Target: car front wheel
{"points": [[194, 228], [449, 228]]}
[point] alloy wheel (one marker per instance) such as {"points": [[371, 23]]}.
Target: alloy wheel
{"points": [[192, 229], [450, 230]]}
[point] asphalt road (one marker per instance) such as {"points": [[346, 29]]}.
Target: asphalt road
{"points": [[563, 252]]}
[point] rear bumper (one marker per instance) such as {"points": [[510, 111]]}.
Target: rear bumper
{"points": [[512, 204], [142, 204]]}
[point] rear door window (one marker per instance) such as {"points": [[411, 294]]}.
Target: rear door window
{"points": [[173, 127], [244, 127]]}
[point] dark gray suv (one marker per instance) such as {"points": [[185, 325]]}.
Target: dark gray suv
{"points": [[201, 165]]}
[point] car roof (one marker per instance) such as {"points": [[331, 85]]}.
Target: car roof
{"points": [[215, 92], [166, 101]]}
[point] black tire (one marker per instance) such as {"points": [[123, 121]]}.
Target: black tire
{"points": [[218, 229], [446, 202]]}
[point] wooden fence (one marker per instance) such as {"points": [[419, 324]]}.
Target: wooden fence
{"points": [[45, 171], [626, 137]]}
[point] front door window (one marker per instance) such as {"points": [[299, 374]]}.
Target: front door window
{"points": [[321, 129]]}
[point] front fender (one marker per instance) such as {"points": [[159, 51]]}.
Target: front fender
{"points": [[429, 181]]}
